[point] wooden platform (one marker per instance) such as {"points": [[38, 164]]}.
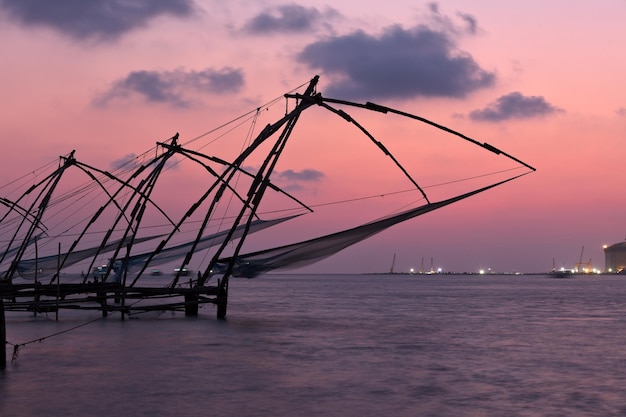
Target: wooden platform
{"points": [[106, 297]]}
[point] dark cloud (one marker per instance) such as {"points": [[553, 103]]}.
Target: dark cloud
{"points": [[289, 18], [304, 175], [172, 87], [400, 63], [93, 19], [514, 106]]}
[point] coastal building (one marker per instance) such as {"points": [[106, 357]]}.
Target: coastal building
{"points": [[615, 257]]}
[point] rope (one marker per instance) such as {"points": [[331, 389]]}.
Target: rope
{"points": [[17, 346]]}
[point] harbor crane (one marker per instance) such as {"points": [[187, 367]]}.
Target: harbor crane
{"points": [[584, 267]]}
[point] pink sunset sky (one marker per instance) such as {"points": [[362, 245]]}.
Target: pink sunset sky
{"points": [[541, 80]]}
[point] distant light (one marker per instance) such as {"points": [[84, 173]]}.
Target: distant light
{"points": [[439, 270], [412, 271], [481, 272], [605, 246]]}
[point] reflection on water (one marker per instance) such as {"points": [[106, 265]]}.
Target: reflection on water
{"points": [[345, 345]]}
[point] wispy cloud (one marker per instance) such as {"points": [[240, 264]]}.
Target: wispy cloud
{"points": [[173, 87], [470, 21], [93, 19], [514, 106], [126, 161], [447, 24], [304, 175], [621, 111], [131, 161], [398, 63], [291, 180], [288, 18]]}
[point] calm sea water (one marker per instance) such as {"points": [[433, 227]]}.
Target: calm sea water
{"points": [[344, 345]]}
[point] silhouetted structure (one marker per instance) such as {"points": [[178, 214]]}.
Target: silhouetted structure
{"points": [[116, 227]]}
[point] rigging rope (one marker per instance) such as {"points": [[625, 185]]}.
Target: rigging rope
{"points": [[266, 105], [329, 203]]}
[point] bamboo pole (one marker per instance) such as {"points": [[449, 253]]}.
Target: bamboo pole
{"points": [[3, 338], [56, 313], [35, 296]]}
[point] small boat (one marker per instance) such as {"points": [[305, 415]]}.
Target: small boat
{"points": [[562, 273]]}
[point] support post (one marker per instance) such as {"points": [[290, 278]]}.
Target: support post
{"points": [[3, 338], [222, 298], [101, 296], [191, 305]]}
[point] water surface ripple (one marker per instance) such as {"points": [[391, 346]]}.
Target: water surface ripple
{"points": [[339, 345]]}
